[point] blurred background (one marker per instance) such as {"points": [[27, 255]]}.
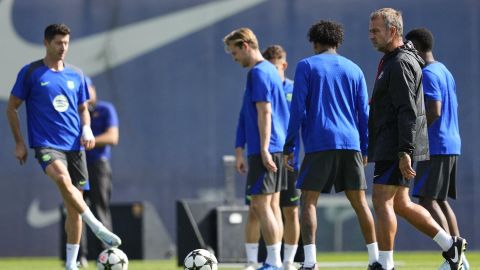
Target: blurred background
{"points": [[178, 94]]}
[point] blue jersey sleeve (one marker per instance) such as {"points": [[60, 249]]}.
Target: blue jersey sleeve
{"points": [[297, 109], [362, 113], [83, 94], [21, 88], [112, 117], [261, 90], [431, 89]]}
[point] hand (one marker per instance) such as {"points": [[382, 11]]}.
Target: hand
{"points": [[21, 153], [405, 166], [268, 161], [240, 165], [287, 161], [365, 161], [87, 139]]}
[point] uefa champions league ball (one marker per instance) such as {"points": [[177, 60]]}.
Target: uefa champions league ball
{"points": [[112, 259], [200, 259]]}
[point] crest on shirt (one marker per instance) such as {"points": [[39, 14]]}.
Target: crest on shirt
{"points": [[70, 85]]}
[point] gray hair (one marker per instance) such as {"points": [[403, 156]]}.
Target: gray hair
{"points": [[391, 17]]}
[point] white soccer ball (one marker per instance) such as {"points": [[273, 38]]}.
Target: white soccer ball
{"points": [[200, 259], [112, 259]]}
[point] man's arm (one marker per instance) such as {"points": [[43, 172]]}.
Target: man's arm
{"points": [[433, 110], [21, 152], [109, 137], [87, 140], [264, 112]]}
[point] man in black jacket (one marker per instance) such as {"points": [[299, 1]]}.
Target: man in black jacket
{"points": [[397, 137]]}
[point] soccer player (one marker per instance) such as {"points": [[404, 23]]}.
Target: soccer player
{"points": [[265, 114], [289, 198], [58, 130], [436, 178], [397, 137], [104, 123], [330, 99]]}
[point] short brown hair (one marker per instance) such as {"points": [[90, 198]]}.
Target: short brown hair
{"points": [[391, 17], [56, 29], [239, 36], [274, 52]]}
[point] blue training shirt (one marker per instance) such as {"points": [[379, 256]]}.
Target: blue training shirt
{"points": [[443, 134], [52, 99], [330, 99], [103, 116], [288, 88], [263, 85]]}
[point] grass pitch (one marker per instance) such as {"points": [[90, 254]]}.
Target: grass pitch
{"points": [[338, 261]]}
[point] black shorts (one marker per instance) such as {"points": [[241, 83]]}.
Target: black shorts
{"points": [[260, 180], [388, 173], [290, 196], [436, 178], [75, 161], [342, 168]]}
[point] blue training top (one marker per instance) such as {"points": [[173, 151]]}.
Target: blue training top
{"points": [[52, 99], [443, 134], [263, 85], [330, 98], [103, 116], [288, 88]]}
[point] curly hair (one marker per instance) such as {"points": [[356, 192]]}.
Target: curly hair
{"points": [[56, 29], [422, 38], [326, 33]]}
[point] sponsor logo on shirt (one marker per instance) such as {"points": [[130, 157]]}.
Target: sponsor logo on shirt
{"points": [[289, 97], [60, 103], [44, 83], [380, 75]]}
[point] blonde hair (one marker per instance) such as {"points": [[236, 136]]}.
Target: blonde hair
{"points": [[391, 17], [239, 36]]}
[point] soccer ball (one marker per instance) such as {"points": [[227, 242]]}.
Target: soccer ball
{"points": [[200, 259], [112, 259]]}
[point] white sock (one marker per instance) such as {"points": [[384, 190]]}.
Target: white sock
{"points": [[385, 258], [273, 255], [72, 253], [372, 252], [91, 220], [289, 252], [310, 255], [443, 239], [252, 252]]}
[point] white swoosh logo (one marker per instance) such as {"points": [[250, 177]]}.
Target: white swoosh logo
{"points": [[38, 218], [455, 258], [102, 51]]}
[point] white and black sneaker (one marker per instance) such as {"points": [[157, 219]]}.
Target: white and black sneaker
{"points": [[454, 255]]}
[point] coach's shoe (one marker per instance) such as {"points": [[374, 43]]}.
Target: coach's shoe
{"points": [[109, 238], [376, 266], [314, 267], [454, 255], [267, 266]]}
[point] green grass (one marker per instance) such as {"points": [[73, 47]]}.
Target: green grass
{"points": [[404, 260]]}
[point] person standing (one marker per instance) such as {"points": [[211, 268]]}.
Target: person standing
{"points": [[290, 197], [398, 136], [59, 130], [265, 114], [436, 178], [105, 127], [330, 99]]}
